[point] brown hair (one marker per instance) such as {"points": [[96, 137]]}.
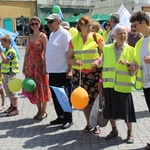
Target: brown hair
{"points": [[96, 25], [83, 20], [140, 16], [36, 19]]}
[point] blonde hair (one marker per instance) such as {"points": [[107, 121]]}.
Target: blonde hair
{"points": [[6, 38]]}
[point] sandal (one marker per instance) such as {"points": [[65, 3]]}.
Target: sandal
{"points": [[10, 109], [43, 116], [87, 129], [112, 135], [97, 130], [147, 146], [130, 139], [13, 113], [37, 115], [2, 108]]}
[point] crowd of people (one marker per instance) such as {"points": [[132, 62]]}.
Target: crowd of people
{"points": [[95, 60]]}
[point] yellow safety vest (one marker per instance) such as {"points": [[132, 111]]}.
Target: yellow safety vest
{"points": [[86, 52], [138, 82], [12, 65], [106, 37], [114, 74]]}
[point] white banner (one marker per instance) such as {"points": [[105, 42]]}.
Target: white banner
{"points": [[124, 16]]}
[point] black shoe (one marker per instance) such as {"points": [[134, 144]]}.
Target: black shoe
{"points": [[56, 121], [66, 125]]}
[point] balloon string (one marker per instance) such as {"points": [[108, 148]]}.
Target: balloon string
{"points": [[80, 77]]}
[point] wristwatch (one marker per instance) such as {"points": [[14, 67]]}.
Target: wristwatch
{"points": [[128, 64]]}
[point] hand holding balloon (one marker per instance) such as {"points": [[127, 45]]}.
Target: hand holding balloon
{"points": [[78, 63]]}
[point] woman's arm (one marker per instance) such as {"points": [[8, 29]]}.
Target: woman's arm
{"points": [[24, 62], [70, 58], [44, 40]]}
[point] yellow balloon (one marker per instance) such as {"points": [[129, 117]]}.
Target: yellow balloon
{"points": [[79, 98], [73, 31], [15, 84]]}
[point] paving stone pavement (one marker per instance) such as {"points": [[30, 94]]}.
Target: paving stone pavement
{"points": [[23, 132]]}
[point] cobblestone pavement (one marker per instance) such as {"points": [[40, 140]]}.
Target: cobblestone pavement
{"points": [[23, 132]]}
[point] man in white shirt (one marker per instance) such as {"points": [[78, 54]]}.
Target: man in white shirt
{"points": [[57, 66]]}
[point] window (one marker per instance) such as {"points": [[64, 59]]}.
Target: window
{"points": [[22, 25]]}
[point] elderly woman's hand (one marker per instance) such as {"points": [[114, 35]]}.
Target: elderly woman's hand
{"points": [[96, 63], [147, 59], [133, 68]]}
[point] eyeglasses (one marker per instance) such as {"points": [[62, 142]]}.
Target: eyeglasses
{"points": [[32, 24], [50, 21], [87, 25], [108, 25]]}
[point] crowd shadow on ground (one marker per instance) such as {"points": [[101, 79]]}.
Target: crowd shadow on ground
{"points": [[53, 137]]}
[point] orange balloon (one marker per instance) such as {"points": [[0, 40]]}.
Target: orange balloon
{"points": [[79, 98]]}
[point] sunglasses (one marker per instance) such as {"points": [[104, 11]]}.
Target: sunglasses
{"points": [[50, 21], [107, 24], [32, 24]]}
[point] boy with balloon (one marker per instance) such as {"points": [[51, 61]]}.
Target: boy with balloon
{"points": [[10, 68]]}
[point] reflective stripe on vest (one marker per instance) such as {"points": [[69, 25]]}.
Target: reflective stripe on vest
{"points": [[108, 69], [124, 83], [86, 52]]}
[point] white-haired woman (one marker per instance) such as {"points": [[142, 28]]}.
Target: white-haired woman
{"points": [[118, 83]]}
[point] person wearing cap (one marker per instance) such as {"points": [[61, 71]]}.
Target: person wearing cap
{"points": [[114, 22], [65, 25], [57, 66]]}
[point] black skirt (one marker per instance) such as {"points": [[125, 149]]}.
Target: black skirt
{"points": [[119, 105]]}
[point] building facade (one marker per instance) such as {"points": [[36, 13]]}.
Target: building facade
{"points": [[15, 14], [88, 7]]}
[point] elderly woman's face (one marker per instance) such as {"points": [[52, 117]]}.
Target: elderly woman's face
{"points": [[121, 36]]}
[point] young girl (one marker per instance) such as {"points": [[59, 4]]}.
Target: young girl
{"points": [[2, 107]]}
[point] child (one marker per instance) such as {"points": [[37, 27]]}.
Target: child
{"points": [[9, 69], [2, 107]]}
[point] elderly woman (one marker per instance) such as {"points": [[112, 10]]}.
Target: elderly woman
{"points": [[118, 83], [83, 55]]}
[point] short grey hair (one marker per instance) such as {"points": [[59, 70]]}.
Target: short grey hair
{"points": [[115, 17], [114, 32]]}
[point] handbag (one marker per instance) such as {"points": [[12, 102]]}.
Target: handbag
{"points": [[101, 120]]}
